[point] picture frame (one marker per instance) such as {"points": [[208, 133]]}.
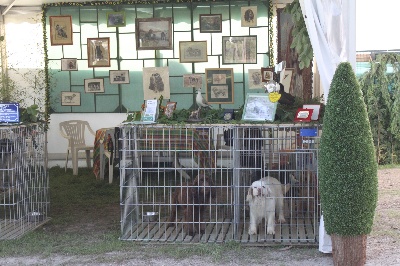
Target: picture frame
{"points": [[69, 64], [94, 85], [169, 109], [316, 110], [98, 52], [119, 76], [116, 19], [249, 16], [153, 33], [210, 23], [303, 115], [70, 98], [156, 83], [192, 81], [258, 107], [267, 74], [239, 49], [219, 85], [61, 30], [286, 77], [255, 79], [192, 51]]}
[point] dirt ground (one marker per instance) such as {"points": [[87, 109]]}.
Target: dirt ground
{"points": [[382, 248]]}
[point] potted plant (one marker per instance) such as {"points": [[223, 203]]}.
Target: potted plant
{"points": [[347, 169]]}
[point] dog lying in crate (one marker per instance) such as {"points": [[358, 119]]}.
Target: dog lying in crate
{"points": [[265, 197], [193, 199]]}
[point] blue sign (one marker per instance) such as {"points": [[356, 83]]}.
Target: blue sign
{"points": [[9, 113], [308, 132]]}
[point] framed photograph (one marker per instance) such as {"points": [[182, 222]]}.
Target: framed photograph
{"points": [[316, 110], [255, 79], [191, 52], [119, 76], [70, 98], [116, 19], [153, 33], [193, 81], [210, 23], [60, 30], [219, 85], [267, 74], [94, 85], [69, 64], [258, 107], [169, 109], [286, 77], [239, 49], [303, 115], [156, 83], [98, 50], [249, 16]]}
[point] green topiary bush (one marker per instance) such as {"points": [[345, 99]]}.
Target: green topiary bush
{"points": [[347, 166]]}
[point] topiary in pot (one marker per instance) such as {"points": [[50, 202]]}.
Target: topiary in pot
{"points": [[347, 169]]}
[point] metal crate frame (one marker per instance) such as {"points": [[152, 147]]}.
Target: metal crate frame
{"points": [[24, 184], [156, 160]]}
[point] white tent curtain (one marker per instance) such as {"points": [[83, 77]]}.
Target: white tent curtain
{"points": [[331, 27]]}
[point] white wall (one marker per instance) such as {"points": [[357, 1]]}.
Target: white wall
{"points": [[57, 145]]}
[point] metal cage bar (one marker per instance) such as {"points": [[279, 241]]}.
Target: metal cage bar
{"points": [[24, 201]]}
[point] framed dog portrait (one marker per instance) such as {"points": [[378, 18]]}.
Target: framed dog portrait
{"points": [[258, 107], [219, 85], [239, 49], [210, 23], [191, 52], [255, 79], [267, 74], [193, 81], [94, 85], [98, 50], [69, 98], [119, 76], [249, 16], [156, 83], [61, 30], [69, 64], [116, 19], [153, 33]]}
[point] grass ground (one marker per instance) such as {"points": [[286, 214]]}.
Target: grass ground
{"points": [[84, 230]]}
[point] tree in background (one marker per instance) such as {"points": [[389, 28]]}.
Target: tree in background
{"points": [[347, 169], [381, 88]]}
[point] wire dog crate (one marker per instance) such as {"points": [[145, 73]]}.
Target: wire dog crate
{"points": [[163, 201], [24, 184]]}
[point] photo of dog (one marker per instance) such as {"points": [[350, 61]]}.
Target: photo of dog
{"points": [[193, 199], [265, 198]]}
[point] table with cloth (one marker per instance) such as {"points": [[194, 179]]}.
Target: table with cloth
{"points": [[103, 137]]}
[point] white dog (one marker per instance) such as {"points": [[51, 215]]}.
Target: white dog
{"points": [[264, 196]]}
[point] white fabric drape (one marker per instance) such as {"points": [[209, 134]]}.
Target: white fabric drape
{"points": [[331, 27]]}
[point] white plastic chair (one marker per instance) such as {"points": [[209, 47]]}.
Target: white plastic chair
{"points": [[74, 131]]}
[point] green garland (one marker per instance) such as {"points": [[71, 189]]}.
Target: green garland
{"points": [[46, 73]]}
